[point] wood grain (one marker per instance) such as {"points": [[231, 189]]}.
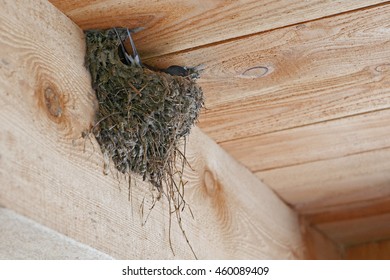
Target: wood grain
{"points": [[229, 200], [303, 99], [180, 25], [379, 250], [360, 230], [315, 186], [332, 171], [311, 143], [349, 211], [342, 197], [24, 239], [295, 76], [320, 246], [353, 222], [345, 219], [50, 173], [306, 107]]}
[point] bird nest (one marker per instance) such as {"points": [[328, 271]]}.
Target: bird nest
{"points": [[144, 114]]}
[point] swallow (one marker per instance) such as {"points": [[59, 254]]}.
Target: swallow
{"points": [[183, 71], [135, 59]]}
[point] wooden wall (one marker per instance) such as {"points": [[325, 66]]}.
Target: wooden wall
{"points": [[297, 91], [376, 250], [22, 239], [51, 174], [313, 121]]}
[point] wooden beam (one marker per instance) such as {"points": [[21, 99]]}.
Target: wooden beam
{"points": [[50, 173], [312, 118], [295, 76], [24, 239], [348, 211], [326, 166], [180, 25], [320, 246], [352, 222], [347, 198], [359, 230], [312, 143], [379, 250], [315, 186]]}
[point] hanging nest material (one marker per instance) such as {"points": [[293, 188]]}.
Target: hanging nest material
{"points": [[144, 115]]}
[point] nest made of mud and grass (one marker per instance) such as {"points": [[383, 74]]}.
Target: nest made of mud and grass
{"points": [[143, 115]]}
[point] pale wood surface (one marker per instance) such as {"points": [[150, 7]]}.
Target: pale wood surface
{"points": [[313, 120], [350, 211], [24, 239], [379, 250], [313, 72], [49, 173], [348, 157], [358, 230], [322, 141], [352, 218], [318, 244], [343, 197], [176, 25], [315, 186]]}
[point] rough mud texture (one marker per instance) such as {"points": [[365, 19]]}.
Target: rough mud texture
{"points": [[144, 115]]}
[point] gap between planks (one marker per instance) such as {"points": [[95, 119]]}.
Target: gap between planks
{"points": [[199, 24], [265, 31], [306, 83], [226, 142], [46, 175]]}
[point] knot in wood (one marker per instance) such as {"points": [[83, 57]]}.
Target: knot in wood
{"points": [[383, 68], [255, 72], [53, 102], [209, 182]]}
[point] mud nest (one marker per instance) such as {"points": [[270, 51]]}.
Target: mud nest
{"points": [[144, 115]]}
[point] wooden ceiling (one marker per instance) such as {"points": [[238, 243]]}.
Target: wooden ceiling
{"points": [[297, 91]]}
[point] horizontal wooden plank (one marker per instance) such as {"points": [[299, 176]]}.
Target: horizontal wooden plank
{"points": [[379, 250], [49, 173], [316, 186], [369, 213], [348, 211], [24, 239], [318, 245], [360, 230], [290, 77], [327, 171], [280, 101], [180, 25], [311, 143], [329, 233], [224, 194]]}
